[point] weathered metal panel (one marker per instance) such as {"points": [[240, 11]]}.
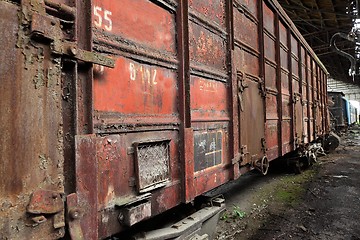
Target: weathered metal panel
{"points": [[31, 140], [269, 42], [269, 17], [272, 140], [296, 85], [247, 61], [206, 48], [286, 137], [212, 10], [137, 104], [286, 124], [252, 114], [245, 29], [141, 22], [271, 107], [299, 121], [209, 99], [209, 94], [251, 5], [146, 90], [87, 186], [270, 76], [285, 82], [114, 156]]}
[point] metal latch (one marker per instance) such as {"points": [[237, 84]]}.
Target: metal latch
{"points": [[263, 145], [44, 204], [49, 28], [74, 215], [241, 88]]}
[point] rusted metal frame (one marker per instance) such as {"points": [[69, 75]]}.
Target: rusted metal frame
{"points": [[208, 72], [326, 107], [127, 48], [312, 89], [308, 94], [323, 102], [278, 82], [170, 4], [246, 47], [262, 50], [84, 125], [243, 9], [276, 5], [233, 105], [321, 94], [186, 133], [311, 104], [291, 91], [318, 96], [326, 104], [84, 88], [116, 128], [68, 103], [300, 66], [201, 20], [61, 8]]}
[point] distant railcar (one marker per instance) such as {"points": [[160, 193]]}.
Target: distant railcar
{"points": [[343, 113], [115, 111], [353, 114], [338, 110]]}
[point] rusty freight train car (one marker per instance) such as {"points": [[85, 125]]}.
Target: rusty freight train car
{"points": [[115, 111]]}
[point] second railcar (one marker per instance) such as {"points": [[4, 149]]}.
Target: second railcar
{"points": [[343, 112], [115, 111], [353, 114]]}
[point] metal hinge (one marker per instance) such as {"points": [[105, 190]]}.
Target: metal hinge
{"points": [[263, 145], [262, 88], [243, 152], [241, 88], [295, 98]]}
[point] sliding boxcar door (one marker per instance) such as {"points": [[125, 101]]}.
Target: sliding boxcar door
{"points": [[251, 88]]}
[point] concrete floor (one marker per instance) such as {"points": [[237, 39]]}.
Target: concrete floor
{"points": [[321, 203]]}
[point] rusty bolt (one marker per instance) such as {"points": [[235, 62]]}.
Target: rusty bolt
{"points": [[74, 214], [54, 195], [53, 23], [73, 51], [121, 217]]}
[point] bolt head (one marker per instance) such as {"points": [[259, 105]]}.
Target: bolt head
{"points": [[73, 51], [74, 214]]}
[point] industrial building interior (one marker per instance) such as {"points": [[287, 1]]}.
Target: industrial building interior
{"points": [[320, 20]]}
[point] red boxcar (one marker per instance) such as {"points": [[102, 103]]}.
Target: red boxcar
{"points": [[110, 104]]}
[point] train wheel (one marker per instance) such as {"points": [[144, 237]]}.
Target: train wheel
{"points": [[298, 166], [264, 166]]}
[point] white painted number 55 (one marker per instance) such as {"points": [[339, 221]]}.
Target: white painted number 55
{"points": [[102, 18]]}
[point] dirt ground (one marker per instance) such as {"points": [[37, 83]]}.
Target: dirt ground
{"points": [[321, 203]]}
